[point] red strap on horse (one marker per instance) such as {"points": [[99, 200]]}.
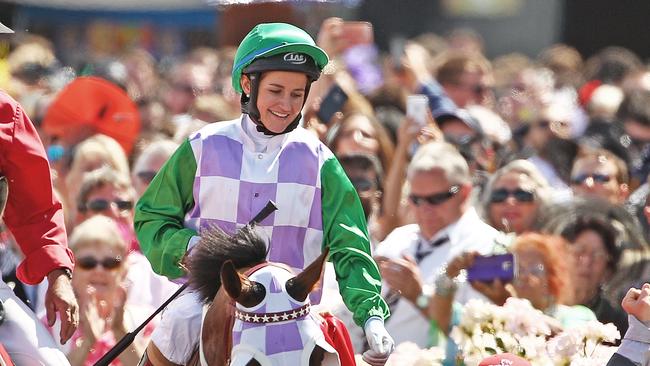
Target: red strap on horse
{"points": [[4, 356], [336, 334]]}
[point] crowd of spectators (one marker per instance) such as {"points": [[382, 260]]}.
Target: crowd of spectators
{"points": [[545, 157]]}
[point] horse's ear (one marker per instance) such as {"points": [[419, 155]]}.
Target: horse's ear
{"points": [[230, 279], [301, 285], [239, 287]]}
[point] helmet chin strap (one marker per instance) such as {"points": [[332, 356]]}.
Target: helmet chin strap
{"points": [[249, 106]]}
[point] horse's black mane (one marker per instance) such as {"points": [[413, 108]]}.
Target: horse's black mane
{"points": [[245, 248]]}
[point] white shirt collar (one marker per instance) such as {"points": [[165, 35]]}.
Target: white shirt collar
{"points": [[450, 230], [258, 141]]}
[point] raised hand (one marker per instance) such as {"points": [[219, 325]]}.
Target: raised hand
{"points": [[92, 324], [637, 302], [402, 274], [117, 318]]}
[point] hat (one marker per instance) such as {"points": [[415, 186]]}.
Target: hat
{"points": [[441, 116], [5, 29], [269, 39], [504, 359], [94, 101]]}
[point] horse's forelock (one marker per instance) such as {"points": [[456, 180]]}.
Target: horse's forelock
{"points": [[245, 248]]}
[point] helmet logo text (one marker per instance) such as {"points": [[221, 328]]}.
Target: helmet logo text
{"points": [[295, 58]]}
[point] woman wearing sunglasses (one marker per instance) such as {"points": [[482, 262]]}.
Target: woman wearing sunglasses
{"points": [[514, 196], [99, 284]]}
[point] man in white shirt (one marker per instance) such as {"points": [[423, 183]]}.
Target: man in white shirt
{"points": [[446, 225]]}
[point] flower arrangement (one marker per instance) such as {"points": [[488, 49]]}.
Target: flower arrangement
{"points": [[409, 354], [518, 328]]}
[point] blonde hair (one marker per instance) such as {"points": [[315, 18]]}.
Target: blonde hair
{"points": [[97, 230], [525, 167], [93, 153], [157, 149], [102, 177]]}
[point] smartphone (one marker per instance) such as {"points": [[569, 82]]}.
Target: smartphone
{"points": [[490, 268], [357, 33], [332, 103], [396, 46], [417, 106]]}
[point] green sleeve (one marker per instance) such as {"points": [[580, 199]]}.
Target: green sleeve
{"points": [[160, 213], [346, 235]]}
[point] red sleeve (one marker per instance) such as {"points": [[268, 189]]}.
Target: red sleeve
{"points": [[33, 213]]}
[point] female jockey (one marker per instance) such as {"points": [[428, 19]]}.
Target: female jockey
{"points": [[227, 171]]}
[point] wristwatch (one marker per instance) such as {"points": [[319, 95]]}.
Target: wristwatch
{"points": [[423, 299], [444, 286], [66, 272]]}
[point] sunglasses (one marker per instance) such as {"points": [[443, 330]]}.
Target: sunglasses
{"points": [[89, 263], [476, 89], [146, 176], [520, 195], [535, 270], [480, 89], [188, 89], [363, 184], [436, 198], [101, 204], [597, 178]]}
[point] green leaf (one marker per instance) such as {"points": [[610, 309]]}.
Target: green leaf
{"points": [[501, 344]]}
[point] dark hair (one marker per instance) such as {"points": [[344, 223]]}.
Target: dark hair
{"points": [[611, 64], [245, 248], [457, 63], [363, 162], [635, 106], [601, 227]]}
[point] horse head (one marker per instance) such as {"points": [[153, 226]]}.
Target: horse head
{"points": [[273, 324], [255, 312]]}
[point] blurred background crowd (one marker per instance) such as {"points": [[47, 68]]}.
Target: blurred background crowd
{"points": [[538, 127]]}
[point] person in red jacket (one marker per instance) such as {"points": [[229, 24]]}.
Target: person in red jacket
{"points": [[35, 218]]}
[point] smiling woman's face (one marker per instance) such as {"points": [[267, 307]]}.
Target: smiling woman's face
{"points": [[280, 97], [357, 135], [103, 281], [513, 214]]}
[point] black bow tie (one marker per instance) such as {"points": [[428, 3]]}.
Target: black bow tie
{"points": [[425, 248]]}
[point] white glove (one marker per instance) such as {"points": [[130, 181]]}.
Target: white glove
{"points": [[380, 342]]}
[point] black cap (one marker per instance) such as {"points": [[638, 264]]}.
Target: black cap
{"points": [[292, 61]]}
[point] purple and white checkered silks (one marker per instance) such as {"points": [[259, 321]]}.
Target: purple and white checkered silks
{"points": [[280, 343], [288, 173]]}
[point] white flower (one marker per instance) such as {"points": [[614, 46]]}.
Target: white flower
{"points": [[599, 331], [409, 354], [565, 344], [519, 328]]}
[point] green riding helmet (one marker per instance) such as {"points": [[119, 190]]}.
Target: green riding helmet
{"points": [[270, 39]]}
